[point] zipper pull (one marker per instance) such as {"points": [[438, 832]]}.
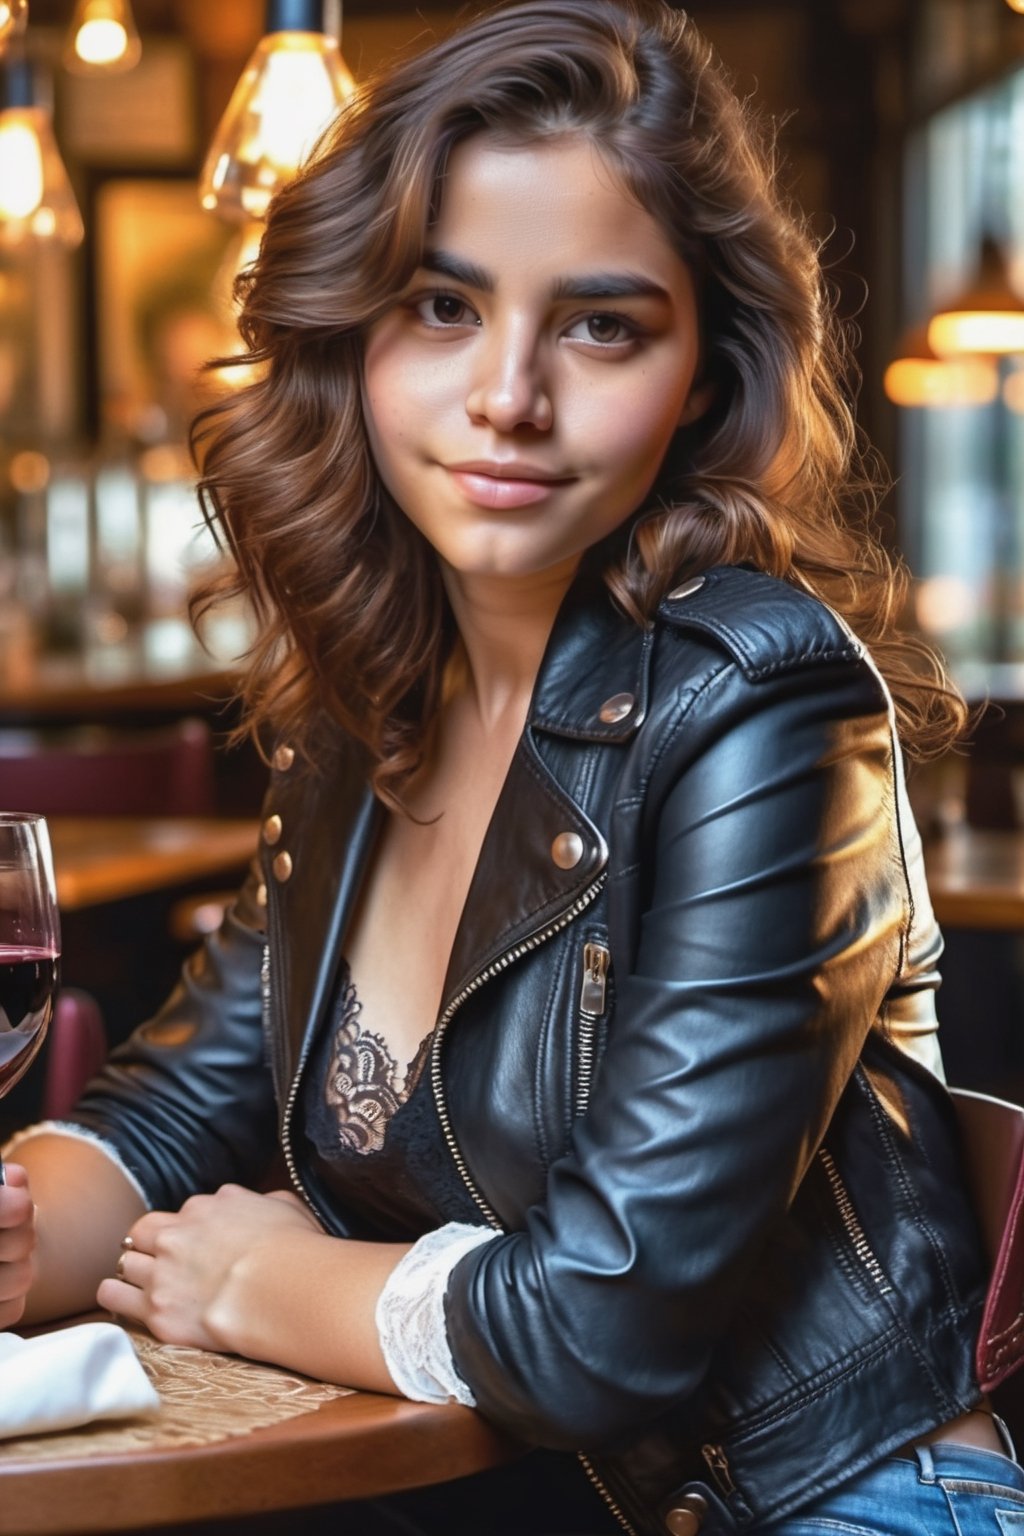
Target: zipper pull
{"points": [[593, 992], [718, 1463]]}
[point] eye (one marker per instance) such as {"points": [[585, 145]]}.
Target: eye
{"points": [[440, 310], [603, 328]]}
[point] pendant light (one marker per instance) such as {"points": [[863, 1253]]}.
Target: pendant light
{"points": [[289, 92], [13, 16], [918, 377], [987, 317], [36, 200], [102, 39]]}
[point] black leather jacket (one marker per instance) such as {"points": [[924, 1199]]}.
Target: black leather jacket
{"points": [[738, 1263]]}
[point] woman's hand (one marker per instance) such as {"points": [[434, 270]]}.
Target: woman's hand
{"points": [[185, 1276], [17, 1244]]}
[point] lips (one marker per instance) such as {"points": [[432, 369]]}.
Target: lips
{"points": [[514, 483]]}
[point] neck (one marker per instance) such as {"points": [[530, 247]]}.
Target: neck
{"points": [[504, 624]]}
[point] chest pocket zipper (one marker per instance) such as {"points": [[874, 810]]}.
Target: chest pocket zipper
{"points": [[592, 1008]]}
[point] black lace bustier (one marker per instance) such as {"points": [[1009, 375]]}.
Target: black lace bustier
{"points": [[374, 1134]]}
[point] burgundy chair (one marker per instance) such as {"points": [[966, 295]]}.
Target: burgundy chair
{"points": [[99, 771], [75, 1051]]}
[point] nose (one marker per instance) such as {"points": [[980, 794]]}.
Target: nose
{"points": [[508, 389]]}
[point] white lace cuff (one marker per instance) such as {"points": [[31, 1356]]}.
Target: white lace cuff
{"points": [[410, 1316], [77, 1133]]}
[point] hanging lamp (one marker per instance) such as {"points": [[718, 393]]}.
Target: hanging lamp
{"points": [[287, 95], [918, 377], [36, 199], [102, 39], [13, 16], [986, 317]]}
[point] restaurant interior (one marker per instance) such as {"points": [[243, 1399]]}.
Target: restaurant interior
{"points": [[140, 142], [132, 185]]}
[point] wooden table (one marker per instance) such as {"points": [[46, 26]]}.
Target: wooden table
{"points": [[101, 859], [354, 1447], [976, 878]]}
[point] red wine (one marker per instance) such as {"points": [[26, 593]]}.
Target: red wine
{"points": [[28, 984]]}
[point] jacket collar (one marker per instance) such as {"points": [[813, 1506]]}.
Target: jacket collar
{"points": [[593, 681], [591, 688]]}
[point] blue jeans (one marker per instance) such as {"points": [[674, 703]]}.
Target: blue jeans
{"points": [[947, 1490]]}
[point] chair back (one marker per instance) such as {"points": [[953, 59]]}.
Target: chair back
{"points": [[992, 1133], [75, 1051], [98, 771]]}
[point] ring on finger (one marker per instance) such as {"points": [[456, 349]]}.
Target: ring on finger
{"points": [[127, 1243]]}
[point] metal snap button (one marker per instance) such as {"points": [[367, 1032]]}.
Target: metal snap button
{"points": [[688, 588], [688, 1516], [272, 829], [283, 866], [617, 708], [283, 758], [567, 850]]}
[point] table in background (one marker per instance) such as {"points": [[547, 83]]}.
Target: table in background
{"points": [[111, 858], [976, 878]]}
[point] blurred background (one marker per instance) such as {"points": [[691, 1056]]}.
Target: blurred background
{"points": [[139, 144]]}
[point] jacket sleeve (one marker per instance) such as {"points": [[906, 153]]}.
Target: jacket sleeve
{"points": [[187, 1102], [773, 910]]}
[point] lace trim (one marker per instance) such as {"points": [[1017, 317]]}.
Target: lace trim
{"points": [[410, 1316], [365, 1086]]}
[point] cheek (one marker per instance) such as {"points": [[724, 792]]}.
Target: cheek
{"points": [[632, 432]]}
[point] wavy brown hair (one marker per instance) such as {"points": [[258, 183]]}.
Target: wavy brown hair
{"points": [[351, 613]]}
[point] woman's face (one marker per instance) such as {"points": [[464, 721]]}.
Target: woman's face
{"points": [[521, 394]]}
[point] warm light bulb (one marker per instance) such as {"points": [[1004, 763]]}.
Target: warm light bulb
{"points": [[36, 200], [100, 41], [982, 330], [13, 16], [1016, 5], [288, 94], [102, 38], [21, 168], [921, 381]]}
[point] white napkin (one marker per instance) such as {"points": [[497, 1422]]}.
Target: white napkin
{"points": [[70, 1376]]}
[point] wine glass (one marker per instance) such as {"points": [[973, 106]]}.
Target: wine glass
{"points": [[29, 943]]}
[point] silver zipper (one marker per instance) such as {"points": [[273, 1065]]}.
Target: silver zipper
{"points": [[593, 1000], [608, 1497], [494, 969], [286, 1139], [851, 1222]]}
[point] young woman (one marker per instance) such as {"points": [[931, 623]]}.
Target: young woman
{"points": [[585, 977]]}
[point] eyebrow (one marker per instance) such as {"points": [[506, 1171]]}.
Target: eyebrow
{"points": [[590, 285]]}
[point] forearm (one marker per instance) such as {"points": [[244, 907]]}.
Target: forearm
{"points": [[84, 1206], [309, 1304]]}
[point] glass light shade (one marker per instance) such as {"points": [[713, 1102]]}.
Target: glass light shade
{"points": [[987, 317], [917, 377], [102, 38], [1016, 5], [289, 92], [13, 16], [36, 200]]}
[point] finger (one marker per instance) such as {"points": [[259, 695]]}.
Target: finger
{"points": [[16, 1208], [134, 1268], [144, 1234], [11, 1312], [15, 1176], [15, 1282], [123, 1299], [17, 1242]]}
